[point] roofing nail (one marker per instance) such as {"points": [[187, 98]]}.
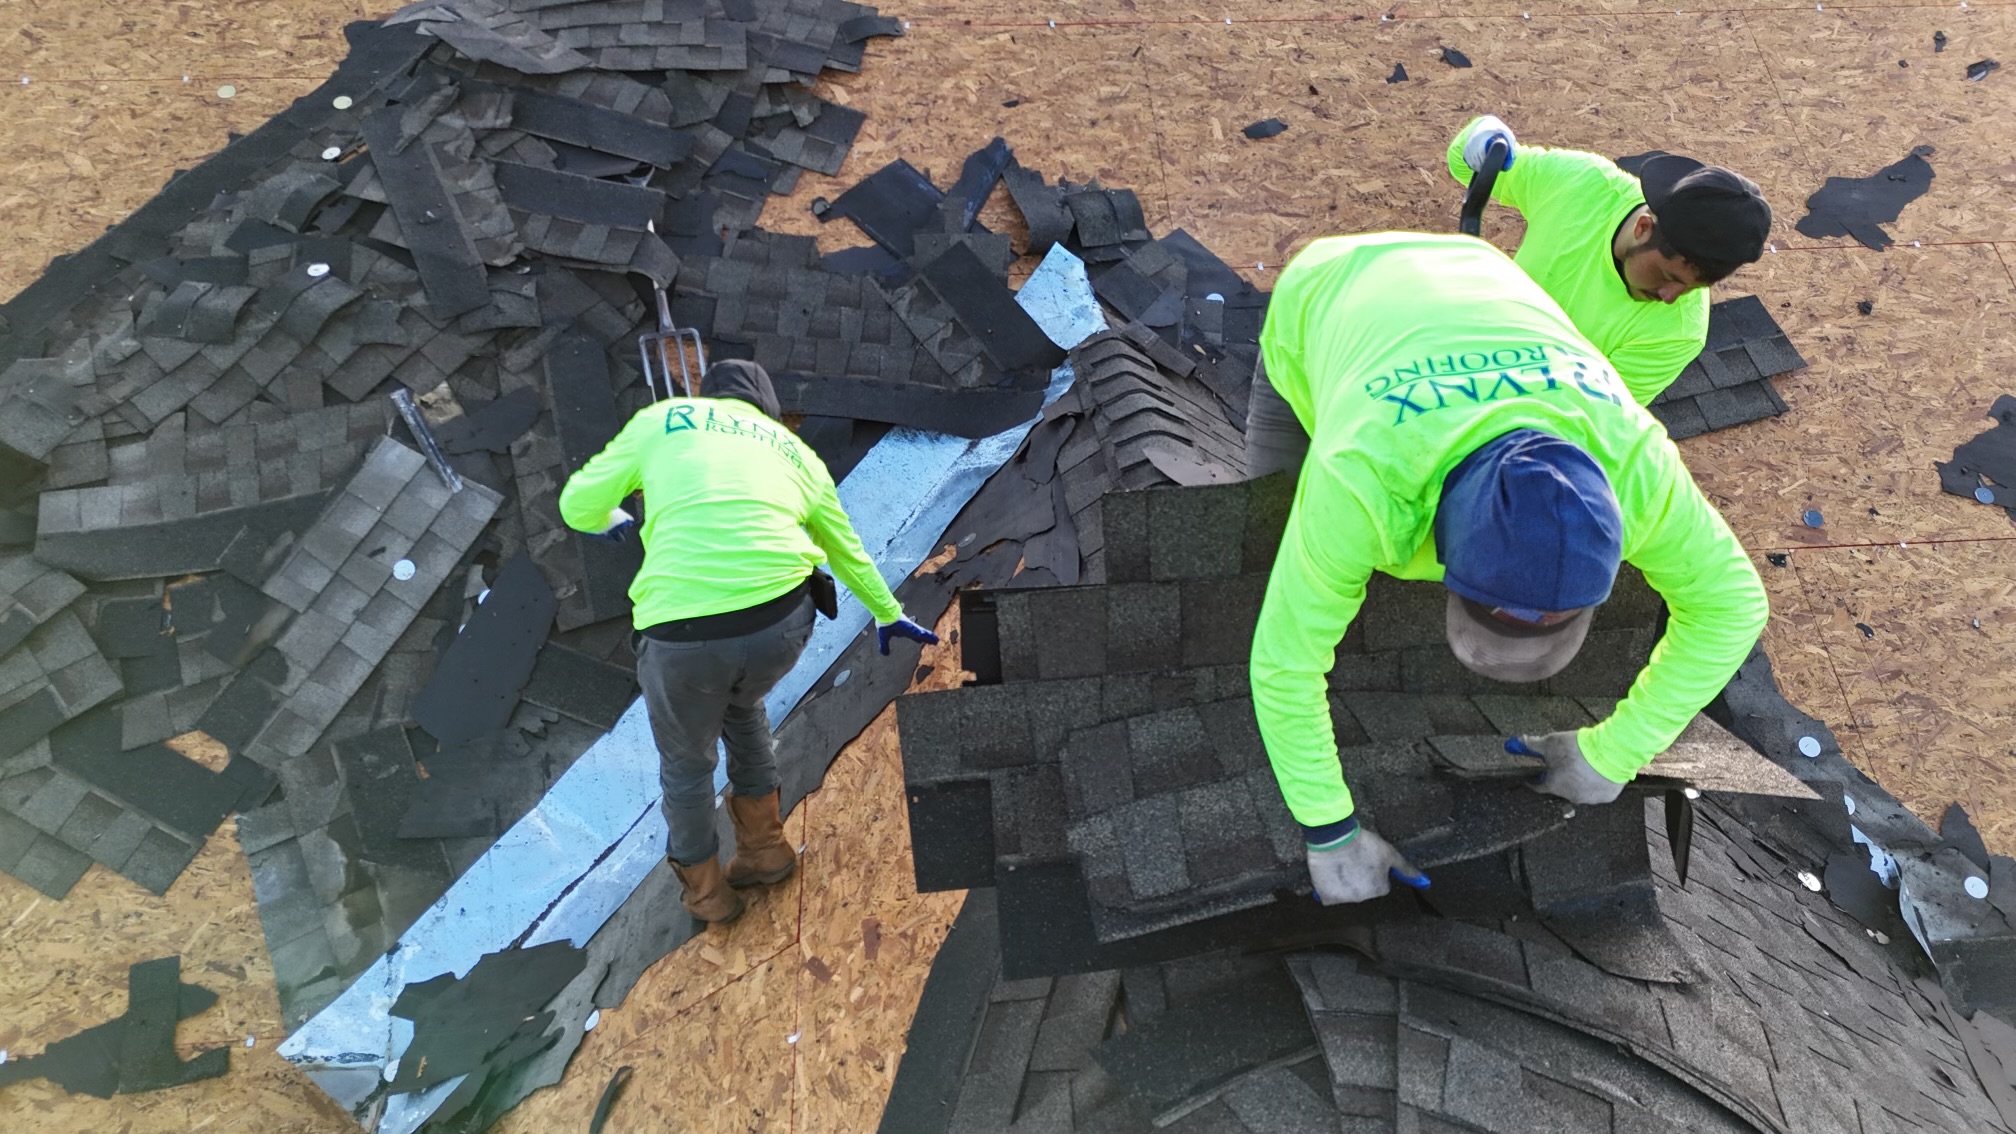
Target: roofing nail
{"points": [[594, 1018], [1985, 494], [342, 102], [226, 91], [1977, 886], [1809, 747], [403, 570], [317, 271], [1809, 880], [249, 1041], [332, 153]]}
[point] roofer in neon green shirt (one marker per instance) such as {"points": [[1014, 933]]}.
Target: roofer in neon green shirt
{"points": [[1628, 258], [739, 513], [1457, 427]]}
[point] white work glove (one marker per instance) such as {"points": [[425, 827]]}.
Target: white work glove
{"points": [[903, 627], [621, 524], [1569, 774], [1360, 868], [1477, 148]]}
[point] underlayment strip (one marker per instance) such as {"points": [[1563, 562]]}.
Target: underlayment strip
{"points": [[563, 869]]}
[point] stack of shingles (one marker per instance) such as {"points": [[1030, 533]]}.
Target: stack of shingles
{"points": [[1729, 383], [1117, 770], [1788, 1017]]}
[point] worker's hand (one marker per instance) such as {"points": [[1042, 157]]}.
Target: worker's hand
{"points": [[1360, 868], [1477, 149], [1568, 773], [621, 524], [902, 628]]}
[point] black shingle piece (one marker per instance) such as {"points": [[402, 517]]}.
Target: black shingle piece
{"points": [[1191, 1049], [952, 834], [1080, 650], [984, 305], [1531, 716], [1234, 735], [135, 1051], [1693, 380], [890, 205], [591, 691], [132, 628], [1123, 518], [1400, 614], [1223, 839], [1195, 533], [1098, 771], [1568, 870], [1735, 405], [597, 128], [1682, 418], [156, 781], [430, 223], [1029, 819], [1170, 751], [1077, 1016], [1151, 839], [49, 867], [479, 678], [1218, 619], [1144, 626]]}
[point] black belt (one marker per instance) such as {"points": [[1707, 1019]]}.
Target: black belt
{"points": [[731, 623]]}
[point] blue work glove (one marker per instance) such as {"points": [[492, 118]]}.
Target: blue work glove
{"points": [[1477, 148], [902, 628], [621, 524], [1569, 774], [1358, 868]]}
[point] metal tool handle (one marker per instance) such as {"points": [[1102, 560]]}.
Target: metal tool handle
{"points": [[1481, 183]]}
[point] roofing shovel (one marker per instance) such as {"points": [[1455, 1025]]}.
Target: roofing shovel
{"points": [[1471, 223], [660, 348]]}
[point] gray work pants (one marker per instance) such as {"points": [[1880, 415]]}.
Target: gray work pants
{"points": [[1274, 437], [698, 693]]}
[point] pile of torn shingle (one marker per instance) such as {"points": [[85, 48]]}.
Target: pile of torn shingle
{"points": [[213, 523], [1738, 998]]}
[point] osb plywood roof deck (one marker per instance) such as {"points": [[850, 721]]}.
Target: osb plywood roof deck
{"points": [[1891, 620]]}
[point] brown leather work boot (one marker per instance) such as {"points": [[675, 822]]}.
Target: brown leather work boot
{"points": [[708, 897], [761, 854]]}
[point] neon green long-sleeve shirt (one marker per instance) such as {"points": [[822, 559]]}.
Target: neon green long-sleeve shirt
{"points": [[1401, 354], [1573, 203], [737, 510]]}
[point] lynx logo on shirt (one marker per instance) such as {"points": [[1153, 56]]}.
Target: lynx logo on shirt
{"points": [[1436, 383], [682, 416]]}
